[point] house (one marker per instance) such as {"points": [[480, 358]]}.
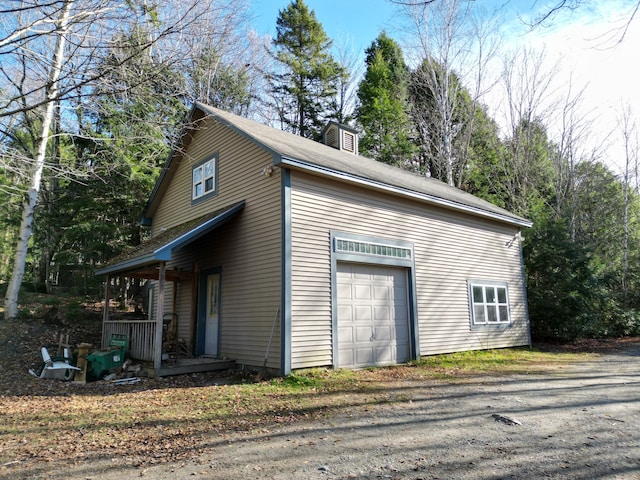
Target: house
{"points": [[272, 249]]}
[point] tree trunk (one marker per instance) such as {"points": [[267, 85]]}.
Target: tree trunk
{"points": [[31, 198]]}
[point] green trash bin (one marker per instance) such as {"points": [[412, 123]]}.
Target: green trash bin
{"points": [[102, 361]]}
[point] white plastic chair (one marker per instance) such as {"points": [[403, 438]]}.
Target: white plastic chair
{"points": [[57, 369]]}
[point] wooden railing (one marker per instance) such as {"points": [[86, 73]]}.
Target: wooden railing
{"points": [[141, 335]]}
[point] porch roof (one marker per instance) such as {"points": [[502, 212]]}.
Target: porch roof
{"points": [[161, 247]]}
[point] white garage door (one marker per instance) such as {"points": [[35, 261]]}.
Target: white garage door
{"points": [[373, 315]]}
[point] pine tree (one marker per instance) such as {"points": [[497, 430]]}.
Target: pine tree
{"points": [[304, 87], [383, 106]]}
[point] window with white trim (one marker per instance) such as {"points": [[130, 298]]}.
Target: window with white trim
{"points": [[370, 248], [204, 179], [489, 303]]}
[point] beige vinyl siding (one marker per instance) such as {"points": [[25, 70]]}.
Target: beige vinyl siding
{"points": [[183, 310], [247, 248], [450, 249]]}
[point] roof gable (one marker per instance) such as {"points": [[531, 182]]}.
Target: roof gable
{"points": [[295, 152]]}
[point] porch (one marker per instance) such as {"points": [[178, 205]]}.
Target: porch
{"points": [[169, 335], [176, 358]]}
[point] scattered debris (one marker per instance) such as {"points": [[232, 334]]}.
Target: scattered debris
{"points": [[58, 368], [505, 419], [124, 381]]}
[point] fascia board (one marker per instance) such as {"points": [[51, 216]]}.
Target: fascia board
{"points": [[243, 133], [128, 264], [432, 199], [165, 252]]}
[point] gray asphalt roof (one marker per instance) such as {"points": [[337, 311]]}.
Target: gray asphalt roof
{"points": [[302, 153], [161, 246]]}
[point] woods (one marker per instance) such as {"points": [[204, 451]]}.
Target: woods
{"points": [[90, 106]]}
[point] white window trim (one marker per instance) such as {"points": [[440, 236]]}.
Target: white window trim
{"points": [[203, 179], [486, 285], [372, 248]]}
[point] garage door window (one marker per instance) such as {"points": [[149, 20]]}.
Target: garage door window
{"points": [[370, 248], [490, 305]]}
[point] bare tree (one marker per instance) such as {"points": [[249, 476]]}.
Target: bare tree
{"points": [[552, 11], [528, 90], [547, 132], [37, 86], [454, 45], [628, 127], [549, 12], [347, 89], [51, 94]]}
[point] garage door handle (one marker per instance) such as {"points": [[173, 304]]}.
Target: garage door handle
{"points": [[373, 335]]}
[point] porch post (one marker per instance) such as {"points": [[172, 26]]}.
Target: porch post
{"points": [[195, 282], [157, 344], [105, 313]]}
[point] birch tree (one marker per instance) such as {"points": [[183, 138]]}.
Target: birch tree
{"points": [[52, 59], [60, 32]]}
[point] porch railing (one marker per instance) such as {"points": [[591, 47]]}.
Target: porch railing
{"points": [[141, 335]]}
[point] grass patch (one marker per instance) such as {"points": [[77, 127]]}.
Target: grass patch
{"points": [[503, 361], [163, 421]]}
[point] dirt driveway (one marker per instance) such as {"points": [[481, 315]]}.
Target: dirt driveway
{"points": [[583, 422]]}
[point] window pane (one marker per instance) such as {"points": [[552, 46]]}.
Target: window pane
{"points": [[504, 314], [502, 295], [197, 174], [491, 295], [208, 184], [478, 314], [208, 169], [197, 190], [492, 314], [477, 294]]}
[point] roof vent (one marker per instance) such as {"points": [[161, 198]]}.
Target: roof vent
{"points": [[341, 137]]}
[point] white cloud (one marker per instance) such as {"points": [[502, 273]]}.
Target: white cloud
{"points": [[596, 53]]}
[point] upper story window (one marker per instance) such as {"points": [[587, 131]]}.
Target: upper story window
{"points": [[489, 302], [204, 178]]}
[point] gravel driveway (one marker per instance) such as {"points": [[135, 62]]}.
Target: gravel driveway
{"points": [[580, 423]]}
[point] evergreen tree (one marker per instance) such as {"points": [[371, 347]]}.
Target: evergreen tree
{"points": [[484, 175], [304, 87], [383, 105]]}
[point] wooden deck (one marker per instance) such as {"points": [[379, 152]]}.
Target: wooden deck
{"points": [[141, 335]]}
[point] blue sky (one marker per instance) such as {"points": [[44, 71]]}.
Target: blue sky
{"points": [[357, 22], [582, 41]]}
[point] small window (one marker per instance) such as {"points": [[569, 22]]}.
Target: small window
{"points": [[489, 303], [204, 179]]}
